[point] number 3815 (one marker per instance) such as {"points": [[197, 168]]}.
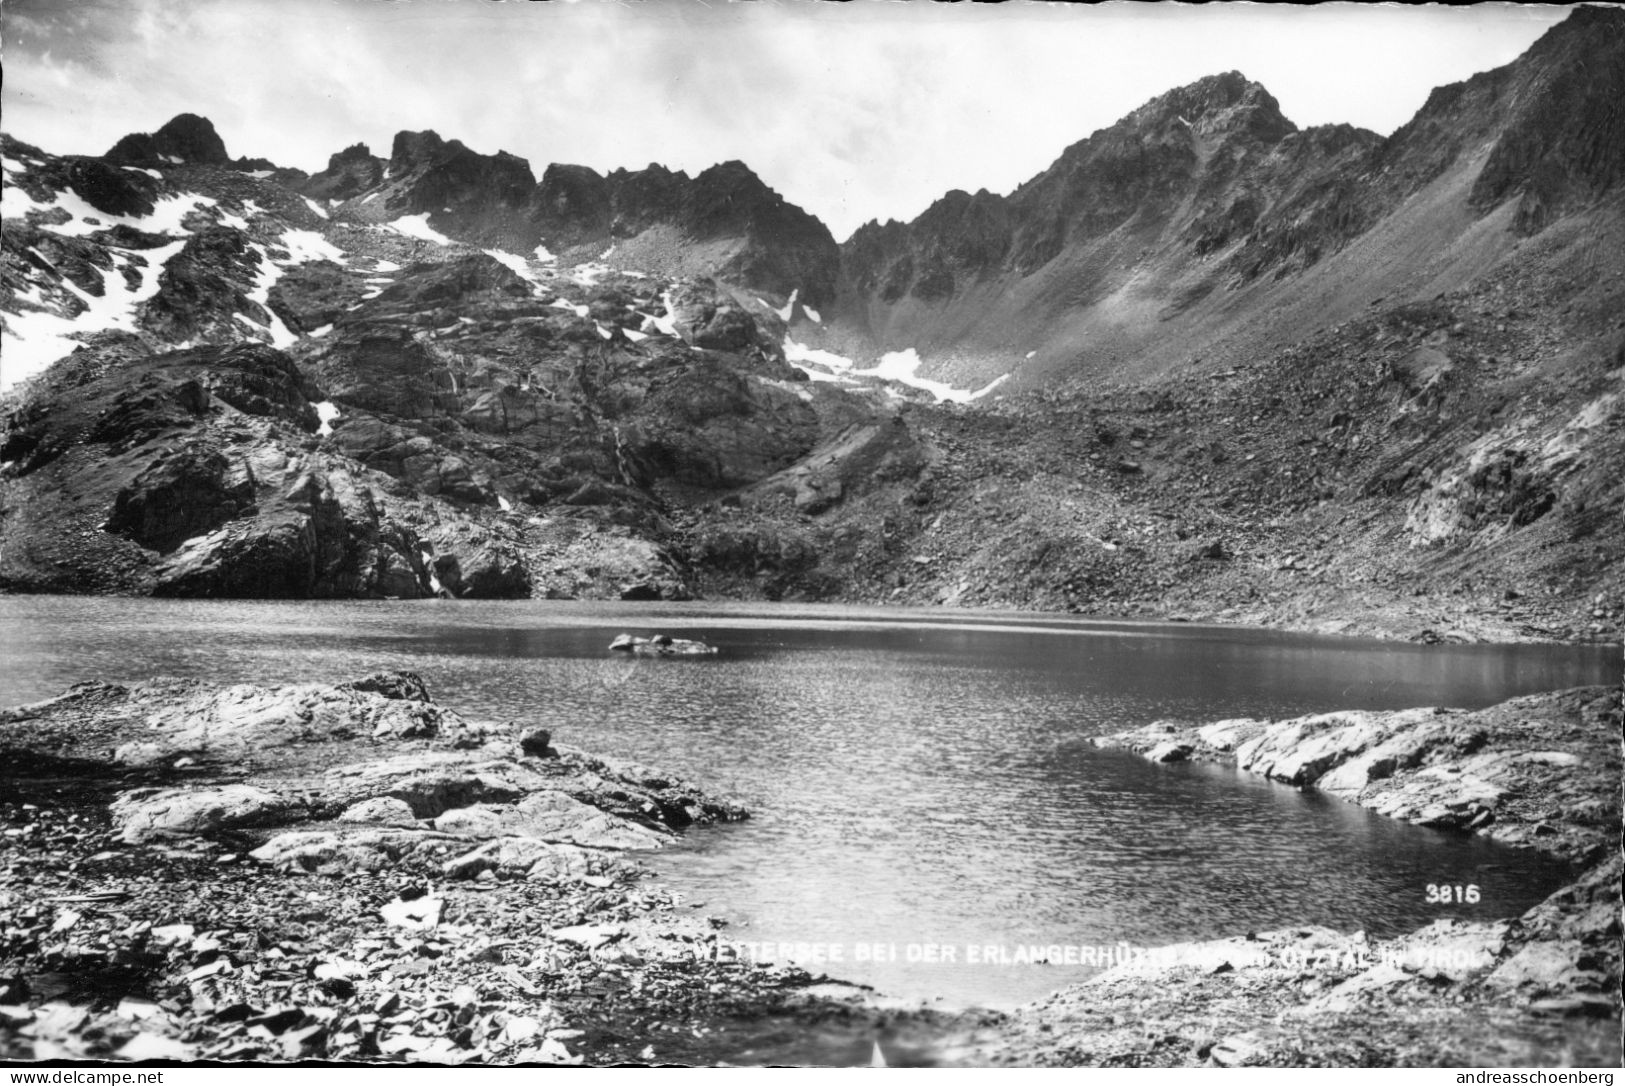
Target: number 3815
{"points": [[1446, 894]]}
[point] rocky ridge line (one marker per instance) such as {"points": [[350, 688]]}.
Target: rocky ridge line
{"points": [[1437, 466]]}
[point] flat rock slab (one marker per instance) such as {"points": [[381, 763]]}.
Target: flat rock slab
{"points": [[191, 717], [552, 817], [430, 783], [426, 851], [354, 849], [522, 857], [381, 810], [147, 813]]}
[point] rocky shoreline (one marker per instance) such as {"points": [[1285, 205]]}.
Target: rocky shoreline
{"points": [[1539, 772], [356, 873]]}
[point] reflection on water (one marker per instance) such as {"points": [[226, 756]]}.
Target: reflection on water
{"points": [[917, 778]]}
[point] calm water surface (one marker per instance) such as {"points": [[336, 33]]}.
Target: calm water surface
{"points": [[916, 778]]}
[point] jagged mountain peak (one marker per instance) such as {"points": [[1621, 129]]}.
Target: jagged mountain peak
{"points": [[559, 171], [733, 168], [186, 138], [431, 174], [1217, 104], [961, 198], [349, 172], [653, 169], [1562, 143], [428, 147], [356, 152], [1551, 118], [1208, 189], [412, 147], [1581, 29], [737, 183]]}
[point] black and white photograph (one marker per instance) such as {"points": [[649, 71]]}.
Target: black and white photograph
{"points": [[795, 533]]}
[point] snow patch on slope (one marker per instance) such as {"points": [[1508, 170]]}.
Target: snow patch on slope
{"points": [[417, 226], [789, 307], [15, 203], [281, 335], [33, 340], [833, 364], [328, 412], [903, 367], [166, 215], [516, 264], [899, 366], [307, 245], [666, 325]]}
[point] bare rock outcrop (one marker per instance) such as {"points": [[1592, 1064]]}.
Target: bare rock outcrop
{"points": [[1539, 771], [660, 645], [194, 718], [416, 785]]}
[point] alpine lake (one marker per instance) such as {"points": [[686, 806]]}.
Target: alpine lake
{"points": [[928, 815]]}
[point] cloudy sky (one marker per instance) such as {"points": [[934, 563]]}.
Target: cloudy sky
{"points": [[869, 109]]}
